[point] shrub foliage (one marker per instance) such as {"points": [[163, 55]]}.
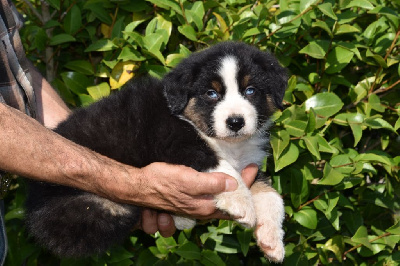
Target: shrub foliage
{"points": [[335, 147]]}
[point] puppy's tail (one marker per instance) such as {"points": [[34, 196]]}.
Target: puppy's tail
{"points": [[76, 224]]}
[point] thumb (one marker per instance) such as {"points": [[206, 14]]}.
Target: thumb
{"points": [[249, 174], [215, 183]]}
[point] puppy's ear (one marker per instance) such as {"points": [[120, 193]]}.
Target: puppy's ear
{"points": [[278, 77], [280, 86], [177, 88]]}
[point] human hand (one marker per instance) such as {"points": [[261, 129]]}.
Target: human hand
{"points": [[153, 221]]}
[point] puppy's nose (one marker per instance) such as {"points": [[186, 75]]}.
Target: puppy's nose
{"points": [[235, 123]]}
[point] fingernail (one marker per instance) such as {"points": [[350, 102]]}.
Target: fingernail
{"points": [[163, 220], [231, 184]]}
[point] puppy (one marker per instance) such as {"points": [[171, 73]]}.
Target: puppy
{"points": [[211, 113]]}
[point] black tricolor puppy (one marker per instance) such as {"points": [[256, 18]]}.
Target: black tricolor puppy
{"points": [[210, 113]]}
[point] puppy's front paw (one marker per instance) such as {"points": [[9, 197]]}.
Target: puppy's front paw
{"points": [[270, 215], [182, 223], [239, 205], [269, 239]]}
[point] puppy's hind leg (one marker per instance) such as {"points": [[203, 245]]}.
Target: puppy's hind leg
{"points": [[270, 213]]}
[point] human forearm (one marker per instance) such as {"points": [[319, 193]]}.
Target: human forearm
{"points": [[30, 150]]}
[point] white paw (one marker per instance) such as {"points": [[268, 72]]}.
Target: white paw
{"points": [[182, 223], [239, 205], [269, 233], [270, 240]]}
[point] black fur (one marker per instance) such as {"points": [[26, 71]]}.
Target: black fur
{"points": [[134, 126]]}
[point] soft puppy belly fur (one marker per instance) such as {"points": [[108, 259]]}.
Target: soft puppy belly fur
{"points": [[133, 126]]}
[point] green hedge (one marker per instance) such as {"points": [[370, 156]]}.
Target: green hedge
{"points": [[335, 148]]}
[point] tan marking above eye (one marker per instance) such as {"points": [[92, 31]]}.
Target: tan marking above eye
{"points": [[216, 86], [245, 81]]}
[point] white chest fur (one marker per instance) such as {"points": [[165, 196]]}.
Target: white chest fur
{"points": [[240, 154]]}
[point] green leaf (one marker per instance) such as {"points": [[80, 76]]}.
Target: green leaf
{"points": [[324, 104], [222, 26], [324, 146], [166, 244], [298, 186], [296, 128], [322, 24], [345, 118], [101, 46], [118, 28], [76, 82], [195, 14], [377, 123], [99, 91], [226, 244], [130, 54], [337, 59], [83, 67], [99, 11], [316, 49], [209, 258], [85, 99], [189, 251], [73, 20], [372, 157], [312, 145], [188, 32], [312, 121], [17, 213], [397, 125], [307, 217], [61, 38], [356, 129], [304, 4], [395, 229], [359, 3], [375, 102], [167, 4], [361, 237], [244, 237], [289, 156], [279, 141], [344, 29], [336, 245], [379, 59], [331, 176], [327, 9]]}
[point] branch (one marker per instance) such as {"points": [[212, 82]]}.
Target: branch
{"points": [[35, 12], [360, 245], [385, 58]]}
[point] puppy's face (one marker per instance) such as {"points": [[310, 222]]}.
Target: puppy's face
{"points": [[230, 90]]}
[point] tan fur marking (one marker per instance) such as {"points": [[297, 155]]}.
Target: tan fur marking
{"points": [[216, 86], [245, 81], [260, 187], [191, 114]]}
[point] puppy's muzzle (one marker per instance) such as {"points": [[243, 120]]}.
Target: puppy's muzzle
{"points": [[235, 123]]}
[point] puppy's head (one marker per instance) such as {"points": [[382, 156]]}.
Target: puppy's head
{"points": [[228, 91]]}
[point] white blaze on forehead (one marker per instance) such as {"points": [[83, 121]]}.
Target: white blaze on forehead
{"points": [[233, 103], [228, 73]]}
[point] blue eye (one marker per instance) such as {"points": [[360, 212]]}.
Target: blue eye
{"points": [[250, 91], [212, 94]]}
